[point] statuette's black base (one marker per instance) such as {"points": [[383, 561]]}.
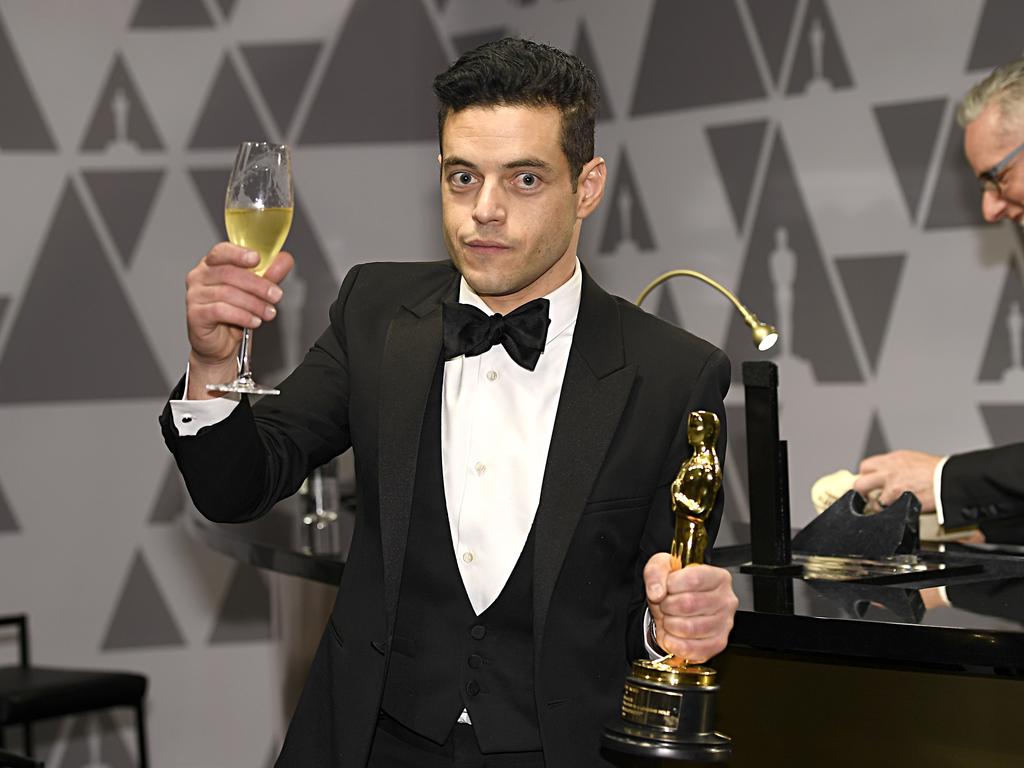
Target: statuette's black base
{"points": [[627, 744]]}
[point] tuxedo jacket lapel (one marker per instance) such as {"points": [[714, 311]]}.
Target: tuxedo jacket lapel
{"points": [[411, 353], [594, 393]]}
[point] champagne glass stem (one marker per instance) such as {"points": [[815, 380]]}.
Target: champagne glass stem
{"points": [[245, 355]]}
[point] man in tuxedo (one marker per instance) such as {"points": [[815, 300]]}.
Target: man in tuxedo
{"points": [[977, 488], [516, 430]]}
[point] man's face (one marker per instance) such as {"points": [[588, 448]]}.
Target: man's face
{"points": [[987, 140], [510, 217]]}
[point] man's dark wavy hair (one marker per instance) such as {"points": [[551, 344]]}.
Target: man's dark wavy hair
{"points": [[513, 72]]}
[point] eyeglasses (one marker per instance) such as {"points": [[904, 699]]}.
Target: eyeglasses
{"points": [[990, 180]]}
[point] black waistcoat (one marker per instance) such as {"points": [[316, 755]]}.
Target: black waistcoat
{"points": [[445, 658]]}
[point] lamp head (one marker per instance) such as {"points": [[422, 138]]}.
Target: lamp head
{"points": [[765, 335]]}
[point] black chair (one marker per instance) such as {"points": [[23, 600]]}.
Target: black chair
{"points": [[29, 693], [11, 760]]}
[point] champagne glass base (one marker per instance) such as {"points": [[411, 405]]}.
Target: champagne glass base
{"points": [[243, 386]]}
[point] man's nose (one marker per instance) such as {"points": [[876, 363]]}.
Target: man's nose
{"points": [[993, 206], [490, 204]]}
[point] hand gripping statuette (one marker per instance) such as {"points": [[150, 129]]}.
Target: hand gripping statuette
{"points": [[668, 704]]}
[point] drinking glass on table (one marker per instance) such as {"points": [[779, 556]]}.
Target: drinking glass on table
{"points": [[258, 214]]}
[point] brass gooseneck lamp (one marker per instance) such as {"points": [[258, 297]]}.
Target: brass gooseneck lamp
{"points": [[764, 334]]}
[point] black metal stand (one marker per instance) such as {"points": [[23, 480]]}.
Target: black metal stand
{"points": [[768, 469]]}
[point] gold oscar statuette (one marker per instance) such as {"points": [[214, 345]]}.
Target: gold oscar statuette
{"points": [[668, 704]]}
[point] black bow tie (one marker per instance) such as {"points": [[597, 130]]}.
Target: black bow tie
{"points": [[522, 332]]}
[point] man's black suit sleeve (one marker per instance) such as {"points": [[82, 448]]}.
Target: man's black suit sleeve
{"points": [[984, 486], [238, 469]]}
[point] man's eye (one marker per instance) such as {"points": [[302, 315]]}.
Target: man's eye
{"points": [[528, 180], [462, 178]]}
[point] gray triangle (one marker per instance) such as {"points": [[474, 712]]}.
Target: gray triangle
{"points": [[666, 308], [245, 613], [22, 126], [95, 742], [106, 335], [124, 199], [782, 226], [160, 14], [313, 268], [171, 500], [227, 7], [267, 353], [467, 41], [871, 284], [378, 104], [8, 524], [1004, 421], [876, 442], [678, 46], [956, 201], [909, 131], [998, 39], [585, 51], [834, 68], [120, 118], [281, 72], [625, 221], [773, 20], [736, 149], [141, 618], [228, 116], [998, 358]]}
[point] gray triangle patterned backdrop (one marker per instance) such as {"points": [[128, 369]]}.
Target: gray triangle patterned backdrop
{"points": [[23, 126], [1004, 352], [625, 221], [120, 118], [392, 103], [676, 47], [803, 152], [161, 15], [141, 618], [244, 615], [998, 39], [8, 524], [910, 131], [106, 334]]}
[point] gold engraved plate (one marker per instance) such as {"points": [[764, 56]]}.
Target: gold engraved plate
{"points": [[651, 707]]}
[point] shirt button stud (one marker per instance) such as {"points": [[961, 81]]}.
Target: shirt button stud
{"points": [[467, 557], [480, 467], [492, 375]]}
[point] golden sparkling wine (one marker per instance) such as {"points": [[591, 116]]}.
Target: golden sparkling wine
{"points": [[262, 230]]}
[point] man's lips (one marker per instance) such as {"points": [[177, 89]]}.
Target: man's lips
{"points": [[486, 245]]}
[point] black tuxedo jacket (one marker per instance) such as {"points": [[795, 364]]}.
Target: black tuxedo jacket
{"points": [[986, 488], [619, 439]]}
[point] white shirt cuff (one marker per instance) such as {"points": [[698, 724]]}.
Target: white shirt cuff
{"points": [[654, 651], [189, 416], [937, 488]]}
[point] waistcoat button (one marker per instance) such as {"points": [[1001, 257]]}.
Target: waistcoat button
{"points": [[478, 632], [475, 661], [472, 688]]}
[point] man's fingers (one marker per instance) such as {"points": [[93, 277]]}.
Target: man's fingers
{"points": [[656, 574], [228, 294], [222, 313], [698, 578], [695, 651], [279, 267], [235, 255]]}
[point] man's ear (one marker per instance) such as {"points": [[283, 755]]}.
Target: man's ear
{"points": [[591, 187]]}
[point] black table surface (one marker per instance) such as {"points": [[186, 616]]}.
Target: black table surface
{"points": [[873, 621]]}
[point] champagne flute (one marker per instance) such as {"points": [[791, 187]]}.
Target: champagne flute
{"points": [[257, 214]]}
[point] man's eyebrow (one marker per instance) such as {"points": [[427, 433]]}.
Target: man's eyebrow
{"points": [[521, 162]]}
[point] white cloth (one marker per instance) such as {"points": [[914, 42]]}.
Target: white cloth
{"points": [[937, 489], [496, 425]]}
